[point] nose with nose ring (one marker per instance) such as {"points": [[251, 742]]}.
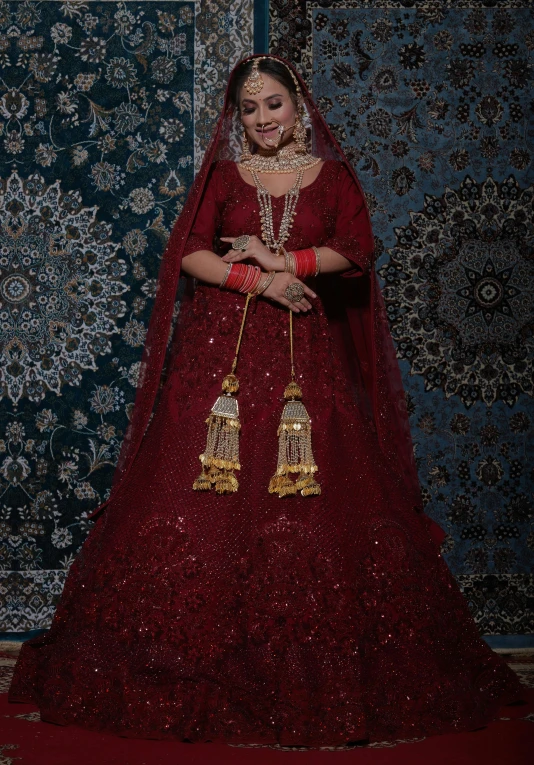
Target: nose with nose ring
{"points": [[280, 132]]}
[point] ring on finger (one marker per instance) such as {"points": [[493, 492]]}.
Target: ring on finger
{"points": [[294, 292], [241, 243]]}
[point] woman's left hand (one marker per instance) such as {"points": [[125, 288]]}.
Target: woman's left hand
{"points": [[256, 251]]}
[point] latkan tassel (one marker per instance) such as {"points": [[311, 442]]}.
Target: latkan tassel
{"points": [[295, 453], [221, 455]]}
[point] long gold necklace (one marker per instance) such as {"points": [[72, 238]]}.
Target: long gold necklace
{"points": [[266, 211]]}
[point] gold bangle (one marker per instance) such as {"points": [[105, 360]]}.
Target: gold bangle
{"points": [[289, 261], [268, 279], [226, 275], [317, 260], [291, 264], [286, 258]]}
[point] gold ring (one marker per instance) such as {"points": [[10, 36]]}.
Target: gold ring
{"points": [[294, 292], [241, 243]]}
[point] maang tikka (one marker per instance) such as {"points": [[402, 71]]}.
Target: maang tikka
{"points": [[253, 84]]}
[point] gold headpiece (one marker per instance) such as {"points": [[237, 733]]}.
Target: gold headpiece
{"points": [[254, 83]]}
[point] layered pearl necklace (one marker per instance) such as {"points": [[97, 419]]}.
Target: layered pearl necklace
{"points": [[266, 211]]}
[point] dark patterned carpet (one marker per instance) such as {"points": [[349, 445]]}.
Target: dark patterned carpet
{"points": [[432, 101], [105, 110]]}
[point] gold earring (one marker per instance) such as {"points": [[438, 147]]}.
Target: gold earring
{"points": [[246, 156], [299, 134]]}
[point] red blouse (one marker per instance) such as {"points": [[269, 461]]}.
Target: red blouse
{"points": [[330, 212]]}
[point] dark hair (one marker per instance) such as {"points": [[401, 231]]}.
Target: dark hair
{"points": [[270, 66]]}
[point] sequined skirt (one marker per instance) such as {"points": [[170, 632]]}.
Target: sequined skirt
{"points": [[246, 618]]}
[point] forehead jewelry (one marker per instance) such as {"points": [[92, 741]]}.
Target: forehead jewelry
{"points": [[254, 82]]}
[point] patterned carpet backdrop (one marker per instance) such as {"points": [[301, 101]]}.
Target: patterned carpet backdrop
{"points": [[105, 110], [433, 103]]}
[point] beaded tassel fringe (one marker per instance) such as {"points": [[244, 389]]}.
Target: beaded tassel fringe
{"points": [[295, 453], [221, 455]]}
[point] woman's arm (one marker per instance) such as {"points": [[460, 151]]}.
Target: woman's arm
{"points": [[352, 243], [209, 267], [204, 265], [332, 261], [200, 262], [348, 251]]}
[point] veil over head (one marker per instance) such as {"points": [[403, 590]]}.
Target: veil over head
{"points": [[363, 328]]}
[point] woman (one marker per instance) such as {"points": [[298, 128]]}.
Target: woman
{"points": [[288, 588]]}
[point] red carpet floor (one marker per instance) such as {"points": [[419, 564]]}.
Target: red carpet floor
{"points": [[25, 740]]}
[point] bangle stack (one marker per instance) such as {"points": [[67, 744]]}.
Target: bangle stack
{"points": [[302, 263], [263, 286], [289, 260], [248, 279], [241, 278]]}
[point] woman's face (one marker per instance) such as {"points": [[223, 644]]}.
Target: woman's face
{"points": [[262, 113]]}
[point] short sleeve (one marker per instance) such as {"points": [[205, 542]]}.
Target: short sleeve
{"points": [[353, 236], [207, 218]]}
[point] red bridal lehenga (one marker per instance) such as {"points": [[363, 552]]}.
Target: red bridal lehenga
{"points": [[245, 618]]}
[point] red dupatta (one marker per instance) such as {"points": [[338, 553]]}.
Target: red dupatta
{"points": [[365, 334]]}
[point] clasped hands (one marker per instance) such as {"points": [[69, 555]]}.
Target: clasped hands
{"points": [[268, 261]]}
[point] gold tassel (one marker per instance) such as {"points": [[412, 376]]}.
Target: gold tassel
{"points": [[221, 455], [295, 453]]}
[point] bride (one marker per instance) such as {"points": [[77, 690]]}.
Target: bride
{"points": [[263, 571]]}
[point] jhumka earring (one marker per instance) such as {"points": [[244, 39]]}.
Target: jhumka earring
{"points": [[299, 133], [246, 156]]}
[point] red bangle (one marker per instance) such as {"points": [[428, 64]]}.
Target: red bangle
{"points": [[305, 263], [242, 278]]}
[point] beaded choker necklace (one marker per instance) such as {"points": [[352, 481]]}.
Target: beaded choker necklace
{"points": [[285, 160]]}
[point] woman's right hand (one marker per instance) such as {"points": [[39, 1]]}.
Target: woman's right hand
{"points": [[276, 289]]}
